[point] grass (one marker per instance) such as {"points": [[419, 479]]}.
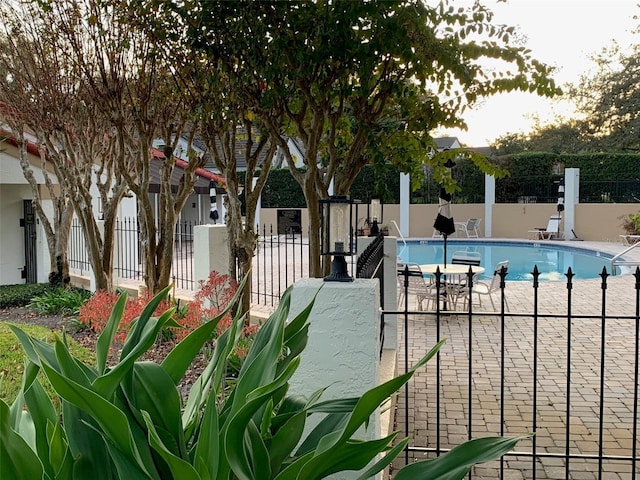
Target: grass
{"points": [[12, 358]]}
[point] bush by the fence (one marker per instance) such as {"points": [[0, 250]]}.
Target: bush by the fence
{"points": [[21, 294]]}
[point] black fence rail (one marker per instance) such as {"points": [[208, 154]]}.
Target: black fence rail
{"points": [[128, 261], [78, 255], [370, 265], [567, 376], [281, 260]]}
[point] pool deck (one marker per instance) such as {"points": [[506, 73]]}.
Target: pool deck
{"points": [[552, 346]]}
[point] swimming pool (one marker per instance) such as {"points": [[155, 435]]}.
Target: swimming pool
{"points": [[553, 260]]}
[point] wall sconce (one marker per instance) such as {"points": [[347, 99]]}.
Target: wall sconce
{"points": [[335, 237], [374, 216]]}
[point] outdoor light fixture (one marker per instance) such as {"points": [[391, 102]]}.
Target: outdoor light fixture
{"points": [[336, 221], [374, 216]]}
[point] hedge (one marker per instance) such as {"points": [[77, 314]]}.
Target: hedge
{"points": [[604, 177]]}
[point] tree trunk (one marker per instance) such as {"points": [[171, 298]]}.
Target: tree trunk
{"points": [[313, 208]]}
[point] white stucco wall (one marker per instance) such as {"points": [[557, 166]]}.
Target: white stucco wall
{"points": [[343, 351], [12, 253]]}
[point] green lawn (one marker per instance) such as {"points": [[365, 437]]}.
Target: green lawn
{"points": [[12, 357]]}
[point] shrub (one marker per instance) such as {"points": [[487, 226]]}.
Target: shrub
{"points": [[96, 311], [631, 223], [129, 421], [65, 301], [21, 294]]}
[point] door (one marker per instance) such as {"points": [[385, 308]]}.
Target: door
{"points": [[29, 272]]}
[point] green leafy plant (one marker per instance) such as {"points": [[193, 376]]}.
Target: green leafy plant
{"points": [[65, 301], [631, 223], [129, 421]]}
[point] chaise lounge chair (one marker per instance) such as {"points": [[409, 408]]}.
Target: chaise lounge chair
{"points": [[552, 230], [470, 227]]}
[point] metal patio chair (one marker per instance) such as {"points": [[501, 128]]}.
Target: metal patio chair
{"points": [[425, 291], [487, 289]]}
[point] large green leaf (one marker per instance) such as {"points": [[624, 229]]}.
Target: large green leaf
{"points": [[43, 414], [151, 326], [283, 443], [17, 460], [235, 435], [34, 348], [29, 375], [180, 468], [69, 366], [207, 453], [111, 420], [182, 355], [59, 455], [152, 390], [352, 456], [86, 445], [205, 388], [135, 334], [109, 332], [456, 464]]}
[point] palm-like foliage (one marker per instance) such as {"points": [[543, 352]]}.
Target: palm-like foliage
{"points": [[129, 420]]}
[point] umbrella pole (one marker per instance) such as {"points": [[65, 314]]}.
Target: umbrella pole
{"points": [[444, 235]]}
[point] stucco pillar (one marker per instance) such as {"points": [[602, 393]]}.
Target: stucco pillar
{"points": [[405, 203], [489, 202], [343, 348], [210, 251], [571, 199]]}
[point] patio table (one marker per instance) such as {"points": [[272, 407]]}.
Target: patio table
{"points": [[452, 274]]}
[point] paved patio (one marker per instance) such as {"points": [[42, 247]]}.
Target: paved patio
{"points": [[552, 348]]}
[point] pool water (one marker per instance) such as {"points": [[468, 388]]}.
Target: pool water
{"points": [[553, 261]]}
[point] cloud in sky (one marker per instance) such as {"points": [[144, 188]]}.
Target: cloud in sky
{"points": [[560, 33]]}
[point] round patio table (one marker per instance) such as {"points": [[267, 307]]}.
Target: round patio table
{"points": [[451, 274]]}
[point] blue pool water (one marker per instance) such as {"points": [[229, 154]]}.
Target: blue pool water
{"points": [[553, 261]]}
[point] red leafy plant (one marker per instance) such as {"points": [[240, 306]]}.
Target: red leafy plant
{"points": [[96, 311], [210, 300]]}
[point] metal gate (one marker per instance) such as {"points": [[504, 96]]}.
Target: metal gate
{"points": [[563, 366], [28, 222]]}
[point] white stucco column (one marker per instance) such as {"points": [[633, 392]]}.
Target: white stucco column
{"points": [[210, 251], [405, 203], [571, 199], [343, 349], [489, 202]]}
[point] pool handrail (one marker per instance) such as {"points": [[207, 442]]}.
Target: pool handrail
{"points": [[401, 238], [615, 261]]}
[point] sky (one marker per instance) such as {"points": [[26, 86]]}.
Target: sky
{"points": [[560, 33]]}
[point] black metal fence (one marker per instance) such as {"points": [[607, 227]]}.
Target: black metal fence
{"points": [[370, 265], [280, 261], [128, 261], [568, 375]]}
